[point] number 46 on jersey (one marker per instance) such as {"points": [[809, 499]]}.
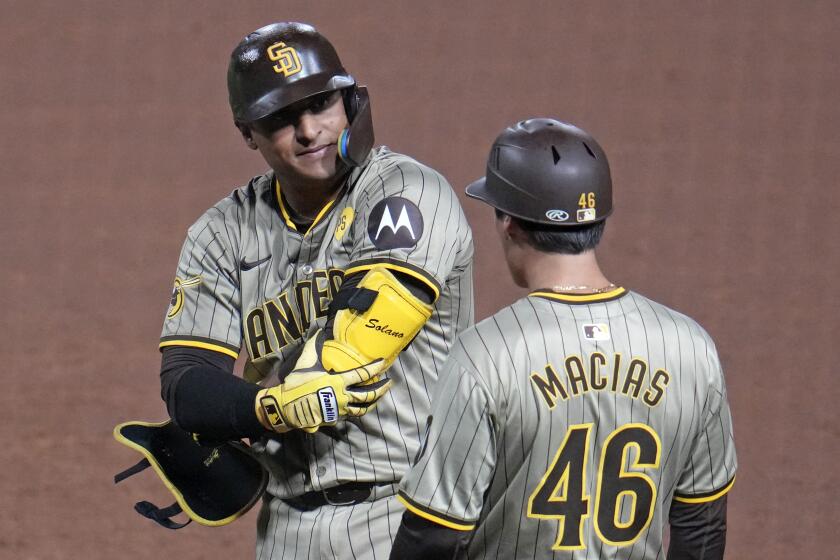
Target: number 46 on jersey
{"points": [[562, 492]]}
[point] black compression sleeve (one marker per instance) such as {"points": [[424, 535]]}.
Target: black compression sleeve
{"points": [[418, 538], [203, 396], [175, 360], [698, 531]]}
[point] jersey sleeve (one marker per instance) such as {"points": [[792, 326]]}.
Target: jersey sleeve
{"points": [[457, 460], [411, 222], [710, 469], [204, 310]]}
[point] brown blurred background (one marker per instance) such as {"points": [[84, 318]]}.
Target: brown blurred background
{"points": [[720, 119]]}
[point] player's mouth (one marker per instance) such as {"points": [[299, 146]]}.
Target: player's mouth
{"points": [[316, 152]]}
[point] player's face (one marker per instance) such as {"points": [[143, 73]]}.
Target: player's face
{"points": [[300, 142]]}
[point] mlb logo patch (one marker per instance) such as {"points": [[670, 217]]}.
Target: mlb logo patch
{"points": [[272, 410], [585, 215], [596, 331]]}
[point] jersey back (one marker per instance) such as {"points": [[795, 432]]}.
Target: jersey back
{"points": [[567, 425]]}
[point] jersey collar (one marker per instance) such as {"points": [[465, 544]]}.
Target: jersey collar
{"points": [[285, 213], [579, 298]]}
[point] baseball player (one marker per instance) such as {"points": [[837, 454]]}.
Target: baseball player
{"points": [[345, 274], [578, 421]]}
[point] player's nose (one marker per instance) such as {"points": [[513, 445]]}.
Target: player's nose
{"points": [[307, 128]]}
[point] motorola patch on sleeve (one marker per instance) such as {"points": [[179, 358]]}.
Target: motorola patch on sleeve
{"points": [[395, 222]]}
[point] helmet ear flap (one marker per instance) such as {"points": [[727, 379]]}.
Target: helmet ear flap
{"points": [[350, 96], [356, 141]]}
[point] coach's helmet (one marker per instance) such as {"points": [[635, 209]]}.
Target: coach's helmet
{"points": [[283, 63], [549, 172]]}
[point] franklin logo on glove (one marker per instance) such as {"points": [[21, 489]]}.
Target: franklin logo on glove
{"points": [[329, 405]]}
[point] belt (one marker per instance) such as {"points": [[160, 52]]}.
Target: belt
{"points": [[342, 495]]}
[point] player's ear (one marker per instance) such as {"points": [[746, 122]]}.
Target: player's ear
{"points": [[247, 135], [508, 227]]}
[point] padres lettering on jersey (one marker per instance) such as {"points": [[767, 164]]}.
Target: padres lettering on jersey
{"points": [[267, 287], [284, 319], [570, 423]]}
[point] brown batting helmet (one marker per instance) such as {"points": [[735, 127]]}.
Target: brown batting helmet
{"points": [[283, 63], [549, 172]]}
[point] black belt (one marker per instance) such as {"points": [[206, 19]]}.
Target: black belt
{"points": [[342, 495]]}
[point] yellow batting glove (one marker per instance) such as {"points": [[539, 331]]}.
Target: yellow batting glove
{"points": [[311, 397]]}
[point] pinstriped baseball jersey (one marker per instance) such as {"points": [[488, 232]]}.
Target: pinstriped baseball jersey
{"points": [[247, 278], [569, 423]]}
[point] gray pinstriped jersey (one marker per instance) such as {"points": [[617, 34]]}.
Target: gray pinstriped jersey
{"points": [[247, 278], [570, 424]]}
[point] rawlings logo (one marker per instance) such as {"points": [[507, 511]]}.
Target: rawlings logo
{"points": [[557, 215]]}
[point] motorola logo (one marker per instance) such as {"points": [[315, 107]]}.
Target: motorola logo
{"points": [[395, 222]]}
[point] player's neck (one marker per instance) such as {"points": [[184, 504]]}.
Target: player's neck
{"points": [[572, 273], [307, 198]]}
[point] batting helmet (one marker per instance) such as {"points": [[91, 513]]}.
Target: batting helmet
{"points": [[549, 172], [283, 63]]}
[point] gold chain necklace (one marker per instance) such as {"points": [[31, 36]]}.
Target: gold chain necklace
{"points": [[588, 289]]}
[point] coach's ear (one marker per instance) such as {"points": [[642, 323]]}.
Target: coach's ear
{"points": [[508, 228], [246, 135]]}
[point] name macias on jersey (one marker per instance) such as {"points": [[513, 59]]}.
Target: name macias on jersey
{"points": [[578, 375]]}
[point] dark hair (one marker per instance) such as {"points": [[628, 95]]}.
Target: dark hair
{"points": [[566, 240]]}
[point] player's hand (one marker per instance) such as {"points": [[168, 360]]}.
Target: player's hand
{"points": [[311, 397]]}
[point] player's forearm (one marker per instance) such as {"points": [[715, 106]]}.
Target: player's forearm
{"points": [[203, 396], [419, 539], [698, 531]]}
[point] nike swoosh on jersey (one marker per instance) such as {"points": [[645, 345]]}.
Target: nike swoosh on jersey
{"points": [[245, 265]]}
